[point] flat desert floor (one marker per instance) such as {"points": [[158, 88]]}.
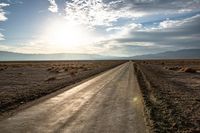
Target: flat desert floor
{"points": [[22, 82], [171, 92], [169, 89]]}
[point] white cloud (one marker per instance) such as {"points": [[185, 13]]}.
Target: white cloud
{"points": [[132, 26], [6, 48], [2, 12], [184, 10], [96, 13], [2, 37], [176, 23], [15, 1], [53, 6], [119, 36], [2, 17], [167, 35], [134, 40], [3, 4], [32, 46], [40, 46], [170, 23]]}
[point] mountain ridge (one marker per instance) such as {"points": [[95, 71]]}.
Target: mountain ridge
{"points": [[180, 54], [9, 56]]}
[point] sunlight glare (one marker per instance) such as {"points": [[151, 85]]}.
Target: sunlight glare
{"points": [[67, 34]]}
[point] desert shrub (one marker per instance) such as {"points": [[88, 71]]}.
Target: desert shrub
{"points": [[61, 70], [3, 68], [51, 79], [174, 68], [49, 69], [16, 66], [81, 67], [85, 69], [166, 67], [66, 69], [73, 72], [188, 70], [55, 70]]}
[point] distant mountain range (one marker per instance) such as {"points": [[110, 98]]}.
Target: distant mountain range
{"points": [[12, 56], [181, 54]]}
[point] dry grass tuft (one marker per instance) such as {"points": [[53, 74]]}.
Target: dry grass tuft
{"points": [[85, 69], [73, 72], [49, 69], [3, 68], [181, 69], [176, 68], [66, 69], [51, 79], [188, 70], [56, 69]]}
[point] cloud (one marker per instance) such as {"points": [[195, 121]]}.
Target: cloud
{"points": [[14, 2], [107, 12], [97, 13], [160, 5], [45, 47], [121, 25], [3, 17], [94, 13], [2, 37], [124, 30], [135, 39], [170, 32], [32, 46], [168, 35], [2, 12], [3, 5], [53, 6]]}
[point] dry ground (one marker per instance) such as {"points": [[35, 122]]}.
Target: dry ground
{"points": [[108, 103], [170, 88], [21, 82], [171, 95]]}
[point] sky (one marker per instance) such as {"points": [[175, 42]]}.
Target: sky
{"points": [[105, 27]]}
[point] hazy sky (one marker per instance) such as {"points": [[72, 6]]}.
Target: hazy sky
{"points": [[108, 27]]}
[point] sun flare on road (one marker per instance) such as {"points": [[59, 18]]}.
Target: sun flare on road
{"points": [[67, 34]]}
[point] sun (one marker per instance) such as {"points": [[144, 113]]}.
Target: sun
{"points": [[67, 34]]}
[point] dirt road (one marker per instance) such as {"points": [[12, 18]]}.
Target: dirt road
{"points": [[109, 103]]}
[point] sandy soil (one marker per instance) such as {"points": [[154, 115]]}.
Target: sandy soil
{"points": [[22, 82], [171, 97], [108, 103]]}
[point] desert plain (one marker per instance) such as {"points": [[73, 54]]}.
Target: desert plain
{"points": [[170, 89]]}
